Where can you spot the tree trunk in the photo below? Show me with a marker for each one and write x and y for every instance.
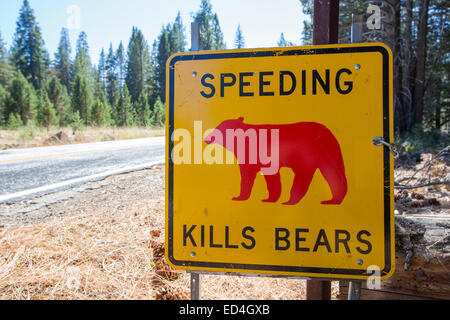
(398, 70)
(422, 259)
(406, 116)
(421, 49)
(437, 106)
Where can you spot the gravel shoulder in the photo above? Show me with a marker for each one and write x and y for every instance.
(111, 194)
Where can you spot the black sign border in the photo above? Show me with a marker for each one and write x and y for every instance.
(320, 272)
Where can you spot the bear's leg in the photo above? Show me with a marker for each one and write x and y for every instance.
(274, 187)
(338, 184)
(300, 187)
(248, 176)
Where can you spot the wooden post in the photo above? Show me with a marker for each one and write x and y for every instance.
(318, 290)
(326, 22)
(326, 31)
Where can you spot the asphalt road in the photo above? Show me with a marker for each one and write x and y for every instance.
(26, 173)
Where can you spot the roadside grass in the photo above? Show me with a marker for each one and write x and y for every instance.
(111, 255)
(31, 136)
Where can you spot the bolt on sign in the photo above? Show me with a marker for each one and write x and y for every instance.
(271, 164)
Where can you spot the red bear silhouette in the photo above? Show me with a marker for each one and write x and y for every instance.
(304, 147)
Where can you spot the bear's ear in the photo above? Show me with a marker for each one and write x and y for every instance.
(241, 119)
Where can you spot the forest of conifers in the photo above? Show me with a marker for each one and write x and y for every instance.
(126, 87)
(418, 33)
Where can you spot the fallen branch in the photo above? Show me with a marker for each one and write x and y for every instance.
(429, 163)
(403, 187)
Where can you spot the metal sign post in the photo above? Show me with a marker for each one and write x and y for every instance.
(195, 36)
(354, 289)
(357, 29)
(195, 46)
(195, 286)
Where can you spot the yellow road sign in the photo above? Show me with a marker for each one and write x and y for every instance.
(271, 164)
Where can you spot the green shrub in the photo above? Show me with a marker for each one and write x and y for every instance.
(14, 122)
(77, 123)
(29, 131)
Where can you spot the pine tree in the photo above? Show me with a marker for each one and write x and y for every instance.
(153, 84)
(46, 115)
(99, 76)
(102, 68)
(100, 112)
(124, 112)
(6, 69)
(40, 60)
(138, 64)
(177, 36)
(62, 59)
(82, 64)
(121, 64)
(421, 53)
(159, 114)
(142, 110)
(58, 96)
(98, 85)
(283, 42)
(3, 52)
(218, 42)
(171, 40)
(109, 121)
(437, 98)
(307, 32)
(239, 42)
(81, 98)
(204, 17)
(22, 100)
(162, 56)
(112, 77)
(14, 122)
(28, 52)
(97, 114)
(4, 99)
(211, 36)
(76, 122)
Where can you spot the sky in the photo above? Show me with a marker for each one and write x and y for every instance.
(111, 21)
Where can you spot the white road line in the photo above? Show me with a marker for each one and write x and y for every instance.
(95, 177)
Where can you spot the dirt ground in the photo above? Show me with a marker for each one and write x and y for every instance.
(105, 240)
